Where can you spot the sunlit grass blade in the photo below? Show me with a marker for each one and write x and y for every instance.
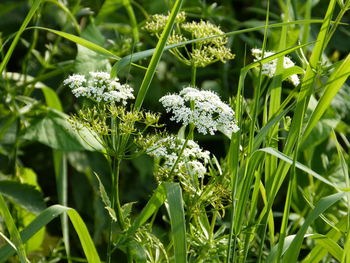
(177, 219)
(318, 252)
(146, 82)
(292, 252)
(300, 166)
(334, 83)
(14, 234)
(80, 41)
(157, 200)
(43, 219)
(26, 21)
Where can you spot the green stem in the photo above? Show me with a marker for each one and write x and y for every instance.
(133, 22)
(182, 150)
(193, 76)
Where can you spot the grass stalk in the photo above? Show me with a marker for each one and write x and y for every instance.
(146, 82)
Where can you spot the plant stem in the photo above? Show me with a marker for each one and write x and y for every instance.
(193, 76)
(190, 133)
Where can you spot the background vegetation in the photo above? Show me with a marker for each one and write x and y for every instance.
(286, 190)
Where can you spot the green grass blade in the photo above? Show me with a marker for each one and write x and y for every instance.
(302, 167)
(61, 176)
(318, 253)
(334, 83)
(157, 200)
(81, 41)
(26, 21)
(292, 252)
(327, 244)
(14, 234)
(157, 55)
(177, 219)
(84, 236)
(43, 219)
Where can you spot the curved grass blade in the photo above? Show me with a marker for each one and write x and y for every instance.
(14, 234)
(156, 56)
(26, 21)
(292, 252)
(157, 200)
(323, 241)
(43, 219)
(177, 219)
(302, 167)
(334, 83)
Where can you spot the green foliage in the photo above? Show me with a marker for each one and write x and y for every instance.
(146, 188)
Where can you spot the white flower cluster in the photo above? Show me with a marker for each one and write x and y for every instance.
(100, 87)
(192, 161)
(269, 68)
(203, 109)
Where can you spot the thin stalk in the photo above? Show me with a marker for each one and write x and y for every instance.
(182, 150)
(284, 226)
(156, 56)
(193, 76)
(133, 22)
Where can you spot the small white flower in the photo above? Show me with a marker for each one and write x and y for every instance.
(269, 68)
(203, 109)
(99, 87)
(192, 161)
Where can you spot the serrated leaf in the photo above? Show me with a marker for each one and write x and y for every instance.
(24, 195)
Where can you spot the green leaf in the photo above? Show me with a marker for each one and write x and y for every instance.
(51, 98)
(25, 195)
(87, 60)
(105, 199)
(177, 219)
(55, 131)
(292, 252)
(43, 219)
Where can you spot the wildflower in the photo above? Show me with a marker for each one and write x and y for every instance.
(192, 160)
(199, 54)
(269, 68)
(203, 109)
(99, 87)
(157, 22)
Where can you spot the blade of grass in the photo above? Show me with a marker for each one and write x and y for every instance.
(318, 252)
(177, 219)
(43, 219)
(26, 21)
(14, 234)
(292, 252)
(60, 166)
(334, 83)
(146, 82)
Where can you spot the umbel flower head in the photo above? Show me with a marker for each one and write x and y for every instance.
(192, 161)
(99, 86)
(269, 68)
(203, 109)
(199, 54)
